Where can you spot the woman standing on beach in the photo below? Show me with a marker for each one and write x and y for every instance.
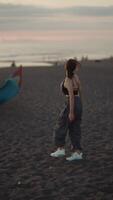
(70, 118)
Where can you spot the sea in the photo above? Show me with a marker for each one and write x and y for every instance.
(30, 53)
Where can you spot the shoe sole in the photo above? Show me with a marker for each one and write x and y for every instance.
(74, 159)
(57, 156)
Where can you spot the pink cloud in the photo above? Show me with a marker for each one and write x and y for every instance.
(68, 35)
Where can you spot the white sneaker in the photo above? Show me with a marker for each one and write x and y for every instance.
(75, 156)
(58, 153)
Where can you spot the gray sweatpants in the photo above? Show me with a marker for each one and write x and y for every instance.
(64, 126)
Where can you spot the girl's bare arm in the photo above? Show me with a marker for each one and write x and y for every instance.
(69, 86)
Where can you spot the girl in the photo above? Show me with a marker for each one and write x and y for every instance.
(70, 118)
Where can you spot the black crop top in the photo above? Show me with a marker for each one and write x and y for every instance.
(65, 91)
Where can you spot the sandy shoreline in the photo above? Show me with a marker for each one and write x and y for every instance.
(27, 172)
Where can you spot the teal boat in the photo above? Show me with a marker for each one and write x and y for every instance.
(11, 86)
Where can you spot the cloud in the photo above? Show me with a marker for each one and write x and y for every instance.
(24, 10)
(27, 18)
(90, 11)
(51, 35)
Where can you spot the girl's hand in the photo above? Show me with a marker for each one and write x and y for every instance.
(71, 117)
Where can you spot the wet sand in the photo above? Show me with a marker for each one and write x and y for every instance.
(27, 172)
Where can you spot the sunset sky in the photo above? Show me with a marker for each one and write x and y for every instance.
(74, 22)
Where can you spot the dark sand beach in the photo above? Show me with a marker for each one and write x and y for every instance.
(27, 172)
